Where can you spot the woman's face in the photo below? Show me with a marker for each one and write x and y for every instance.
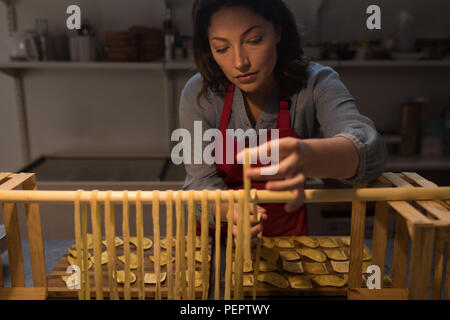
(244, 45)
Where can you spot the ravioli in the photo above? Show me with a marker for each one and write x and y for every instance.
(310, 242)
(198, 256)
(316, 268)
(274, 279)
(289, 255)
(147, 242)
(73, 261)
(328, 243)
(163, 242)
(150, 278)
(267, 266)
(270, 255)
(336, 254)
(346, 241)
(73, 253)
(103, 257)
(121, 277)
(198, 278)
(163, 258)
(133, 260)
(117, 242)
(284, 242)
(330, 280)
(313, 254)
(340, 266)
(248, 266)
(293, 266)
(248, 280)
(268, 242)
(198, 242)
(300, 282)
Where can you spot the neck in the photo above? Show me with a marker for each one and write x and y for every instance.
(259, 98)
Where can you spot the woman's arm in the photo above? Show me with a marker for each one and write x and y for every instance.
(334, 158)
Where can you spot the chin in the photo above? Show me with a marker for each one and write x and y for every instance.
(248, 88)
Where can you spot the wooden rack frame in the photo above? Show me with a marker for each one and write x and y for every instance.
(393, 191)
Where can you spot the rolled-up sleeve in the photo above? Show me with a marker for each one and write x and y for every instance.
(338, 116)
(199, 176)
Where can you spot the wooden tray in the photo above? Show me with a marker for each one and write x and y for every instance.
(57, 288)
(266, 290)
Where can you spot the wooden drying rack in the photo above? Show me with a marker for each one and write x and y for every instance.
(392, 191)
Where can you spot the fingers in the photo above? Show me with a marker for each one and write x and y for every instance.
(288, 167)
(296, 182)
(253, 222)
(295, 204)
(285, 147)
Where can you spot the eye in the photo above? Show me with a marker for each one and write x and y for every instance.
(255, 41)
(221, 50)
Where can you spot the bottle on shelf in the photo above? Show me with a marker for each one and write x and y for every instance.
(169, 36)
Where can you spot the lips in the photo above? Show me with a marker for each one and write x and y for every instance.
(247, 78)
(245, 75)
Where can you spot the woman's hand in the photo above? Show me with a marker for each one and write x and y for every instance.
(256, 226)
(288, 171)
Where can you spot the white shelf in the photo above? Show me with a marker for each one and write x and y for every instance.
(10, 66)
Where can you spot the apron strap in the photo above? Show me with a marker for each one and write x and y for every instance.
(283, 114)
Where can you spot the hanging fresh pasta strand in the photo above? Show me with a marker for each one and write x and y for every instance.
(183, 249)
(191, 244)
(179, 236)
(217, 258)
(239, 255)
(169, 237)
(77, 224)
(140, 244)
(204, 244)
(246, 227)
(96, 228)
(157, 247)
(85, 279)
(229, 248)
(111, 248)
(257, 217)
(126, 244)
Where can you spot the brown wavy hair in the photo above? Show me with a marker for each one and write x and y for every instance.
(291, 69)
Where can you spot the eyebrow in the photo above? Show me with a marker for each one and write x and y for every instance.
(243, 34)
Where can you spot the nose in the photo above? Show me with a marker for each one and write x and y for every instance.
(241, 60)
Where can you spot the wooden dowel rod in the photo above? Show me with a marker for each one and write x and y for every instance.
(204, 244)
(169, 238)
(96, 228)
(140, 246)
(229, 249)
(157, 248)
(77, 224)
(217, 241)
(264, 196)
(179, 238)
(126, 244)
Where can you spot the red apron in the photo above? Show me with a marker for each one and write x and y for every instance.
(279, 222)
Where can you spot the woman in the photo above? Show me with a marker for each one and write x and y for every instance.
(252, 74)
